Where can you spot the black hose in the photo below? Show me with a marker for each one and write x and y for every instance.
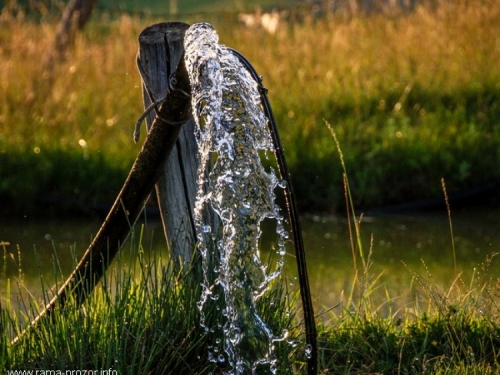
(305, 292)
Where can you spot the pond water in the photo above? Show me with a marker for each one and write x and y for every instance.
(410, 255)
(412, 258)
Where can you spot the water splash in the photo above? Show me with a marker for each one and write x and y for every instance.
(231, 131)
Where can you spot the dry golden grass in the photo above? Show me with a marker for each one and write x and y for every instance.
(351, 58)
(93, 95)
(426, 81)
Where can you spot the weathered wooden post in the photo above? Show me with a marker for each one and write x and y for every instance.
(160, 49)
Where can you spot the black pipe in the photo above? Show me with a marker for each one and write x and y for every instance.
(305, 292)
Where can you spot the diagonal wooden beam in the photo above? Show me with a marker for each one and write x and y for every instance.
(170, 117)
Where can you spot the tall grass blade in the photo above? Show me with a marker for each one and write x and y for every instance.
(448, 210)
(351, 204)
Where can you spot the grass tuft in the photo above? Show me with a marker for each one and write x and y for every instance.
(143, 318)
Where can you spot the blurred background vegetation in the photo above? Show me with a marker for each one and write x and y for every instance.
(412, 93)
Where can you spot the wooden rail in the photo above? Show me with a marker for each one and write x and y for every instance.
(172, 113)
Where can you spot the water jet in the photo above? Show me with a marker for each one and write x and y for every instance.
(233, 125)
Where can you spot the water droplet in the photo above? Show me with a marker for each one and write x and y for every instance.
(211, 357)
(283, 336)
(308, 351)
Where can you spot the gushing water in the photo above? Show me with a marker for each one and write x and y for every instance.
(231, 130)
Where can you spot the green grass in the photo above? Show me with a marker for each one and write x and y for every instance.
(412, 97)
(445, 331)
(56, 184)
(142, 319)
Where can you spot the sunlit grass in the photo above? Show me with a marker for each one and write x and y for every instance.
(87, 97)
(412, 97)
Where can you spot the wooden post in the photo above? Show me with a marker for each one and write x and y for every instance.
(161, 46)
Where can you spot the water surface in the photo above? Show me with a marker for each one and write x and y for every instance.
(408, 253)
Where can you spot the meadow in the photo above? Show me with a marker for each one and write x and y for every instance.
(412, 97)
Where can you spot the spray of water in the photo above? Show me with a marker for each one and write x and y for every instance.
(231, 131)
